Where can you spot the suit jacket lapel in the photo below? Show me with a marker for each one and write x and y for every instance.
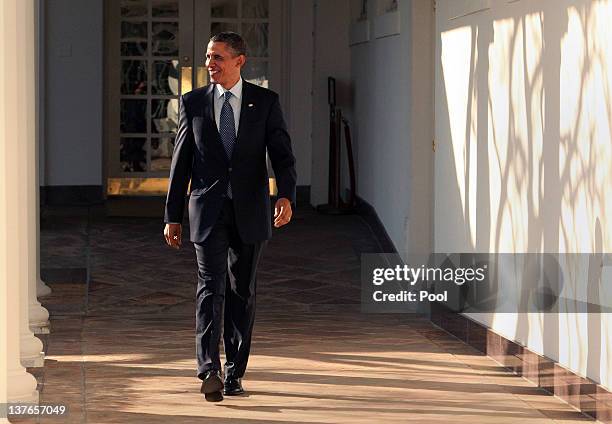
(209, 105)
(245, 101)
(245, 111)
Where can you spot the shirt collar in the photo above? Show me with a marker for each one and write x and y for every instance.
(236, 90)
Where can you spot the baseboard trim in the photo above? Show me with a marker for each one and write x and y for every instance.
(368, 213)
(302, 194)
(582, 393)
(71, 195)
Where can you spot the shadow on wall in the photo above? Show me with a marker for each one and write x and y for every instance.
(524, 128)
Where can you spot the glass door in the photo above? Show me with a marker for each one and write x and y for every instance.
(155, 51)
(256, 21)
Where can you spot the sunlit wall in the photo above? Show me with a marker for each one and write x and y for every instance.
(524, 160)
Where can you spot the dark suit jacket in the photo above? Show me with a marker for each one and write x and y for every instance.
(199, 155)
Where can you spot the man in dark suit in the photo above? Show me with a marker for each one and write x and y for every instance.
(224, 131)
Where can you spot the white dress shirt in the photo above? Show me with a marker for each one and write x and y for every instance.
(235, 102)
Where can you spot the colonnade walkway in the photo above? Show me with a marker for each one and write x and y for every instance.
(121, 347)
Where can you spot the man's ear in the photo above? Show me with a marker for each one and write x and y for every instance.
(241, 60)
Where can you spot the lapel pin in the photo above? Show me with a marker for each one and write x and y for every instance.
(250, 104)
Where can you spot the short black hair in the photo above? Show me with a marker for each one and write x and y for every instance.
(233, 40)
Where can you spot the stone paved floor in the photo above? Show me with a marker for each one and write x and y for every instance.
(121, 348)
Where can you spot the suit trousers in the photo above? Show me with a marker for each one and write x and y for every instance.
(225, 293)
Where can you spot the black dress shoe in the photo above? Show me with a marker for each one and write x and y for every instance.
(212, 385)
(233, 387)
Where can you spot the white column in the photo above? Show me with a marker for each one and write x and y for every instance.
(42, 289)
(18, 385)
(31, 347)
(39, 316)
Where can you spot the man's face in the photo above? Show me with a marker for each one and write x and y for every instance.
(222, 66)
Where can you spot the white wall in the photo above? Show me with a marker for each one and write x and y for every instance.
(331, 58)
(524, 158)
(300, 85)
(73, 92)
(381, 71)
(419, 231)
(392, 83)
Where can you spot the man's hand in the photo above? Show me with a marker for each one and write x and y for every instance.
(282, 212)
(172, 233)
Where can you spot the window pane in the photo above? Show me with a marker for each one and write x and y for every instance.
(224, 9)
(164, 116)
(133, 154)
(133, 49)
(134, 77)
(134, 8)
(165, 77)
(133, 116)
(217, 27)
(161, 153)
(165, 39)
(133, 30)
(255, 8)
(256, 38)
(165, 9)
(256, 71)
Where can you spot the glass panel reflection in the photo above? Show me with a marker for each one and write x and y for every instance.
(134, 77)
(165, 39)
(217, 27)
(134, 8)
(165, 9)
(134, 30)
(134, 186)
(256, 72)
(186, 79)
(133, 49)
(164, 116)
(165, 77)
(255, 8)
(133, 116)
(224, 9)
(256, 38)
(201, 77)
(133, 154)
(161, 153)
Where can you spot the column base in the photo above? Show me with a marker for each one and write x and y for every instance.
(36, 361)
(39, 318)
(40, 328)
(42, 289)
(31, 398)
(22, 387)
(37, 312)
(31, 351)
